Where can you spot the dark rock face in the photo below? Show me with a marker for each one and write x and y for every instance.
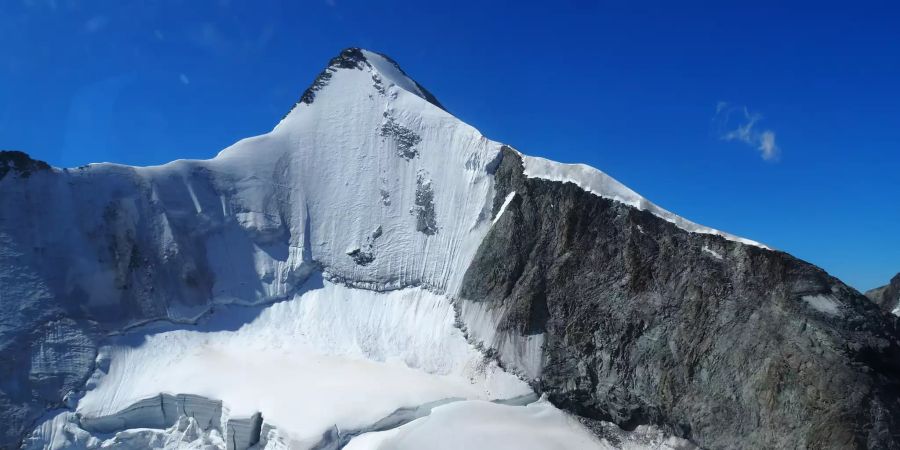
(423, 208)
(366, 255)
(20, 162)
(405, 138)
(728, 345)
(361, 257)
(887, 297)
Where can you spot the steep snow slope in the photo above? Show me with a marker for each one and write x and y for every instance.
(367, 181)
(370, 184)
(415, 178)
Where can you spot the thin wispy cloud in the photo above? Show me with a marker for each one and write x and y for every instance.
(738, 123)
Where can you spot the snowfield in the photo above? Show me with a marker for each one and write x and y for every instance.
(332, 357)
(333, 366)
(480, 424)
(299, 290)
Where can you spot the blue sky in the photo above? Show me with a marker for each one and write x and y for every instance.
(779, 123)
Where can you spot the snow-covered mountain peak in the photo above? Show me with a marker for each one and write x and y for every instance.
(384, 73)
(357, 75)
(368, 177)
(368, 263)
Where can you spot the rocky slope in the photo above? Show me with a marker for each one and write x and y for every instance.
(727, 344)
(887, 297)
(374, 273)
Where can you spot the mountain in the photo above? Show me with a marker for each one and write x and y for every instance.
(887, 297)
(375, 273)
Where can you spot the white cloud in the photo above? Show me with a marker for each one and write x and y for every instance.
(767, 145)
(739, 124)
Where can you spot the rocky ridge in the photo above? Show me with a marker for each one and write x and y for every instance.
(887, 297)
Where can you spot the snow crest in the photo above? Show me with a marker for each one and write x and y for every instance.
(603, 185)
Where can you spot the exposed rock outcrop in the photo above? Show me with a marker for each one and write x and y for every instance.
(727, 344)
(887, 297)
(20, 162)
